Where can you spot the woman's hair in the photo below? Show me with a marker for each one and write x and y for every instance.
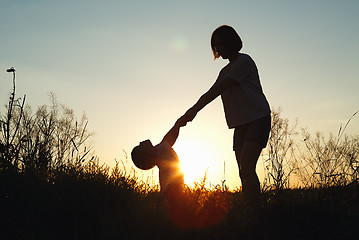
(228, 36)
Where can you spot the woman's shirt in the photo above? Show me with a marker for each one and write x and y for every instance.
(244, 101)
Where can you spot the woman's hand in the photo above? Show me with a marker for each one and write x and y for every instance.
(190, 115)
(180, 122)
(187, 117)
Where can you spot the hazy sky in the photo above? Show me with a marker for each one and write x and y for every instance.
(134, 67)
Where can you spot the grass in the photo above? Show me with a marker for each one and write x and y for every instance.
(50, 190)
(99, 205)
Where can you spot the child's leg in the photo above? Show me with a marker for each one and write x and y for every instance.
(176, 206)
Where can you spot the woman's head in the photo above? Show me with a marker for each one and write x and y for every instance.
(225, 40)
(144, 155)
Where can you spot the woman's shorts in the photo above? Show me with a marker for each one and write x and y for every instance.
(255, 131)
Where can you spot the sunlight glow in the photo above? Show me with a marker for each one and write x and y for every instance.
(196, 158)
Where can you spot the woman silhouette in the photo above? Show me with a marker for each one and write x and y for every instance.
(245, 105)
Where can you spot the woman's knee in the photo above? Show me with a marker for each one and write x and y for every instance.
(247, 172)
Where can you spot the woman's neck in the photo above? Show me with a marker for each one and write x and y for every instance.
(233, 57)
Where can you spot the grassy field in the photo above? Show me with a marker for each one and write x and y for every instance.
(52, 187)
(97, 205)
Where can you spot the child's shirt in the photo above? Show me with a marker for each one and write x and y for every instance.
(170, 173)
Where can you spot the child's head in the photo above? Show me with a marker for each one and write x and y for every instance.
(225, 37)
(144, 155)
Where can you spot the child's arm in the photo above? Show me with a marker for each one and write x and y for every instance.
(172, 134)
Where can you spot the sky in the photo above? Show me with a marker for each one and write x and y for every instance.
(134, 67)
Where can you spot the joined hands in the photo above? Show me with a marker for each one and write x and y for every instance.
(187, 117)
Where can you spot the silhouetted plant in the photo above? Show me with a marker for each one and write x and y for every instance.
(36, 143)
(278, 153)
(331, 161)
(10, 138)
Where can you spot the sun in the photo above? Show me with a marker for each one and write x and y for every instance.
(196, 158)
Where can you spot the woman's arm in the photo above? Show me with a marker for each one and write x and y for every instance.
(217, 89)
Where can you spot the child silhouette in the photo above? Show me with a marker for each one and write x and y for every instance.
(145, 156)
(182, 213)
